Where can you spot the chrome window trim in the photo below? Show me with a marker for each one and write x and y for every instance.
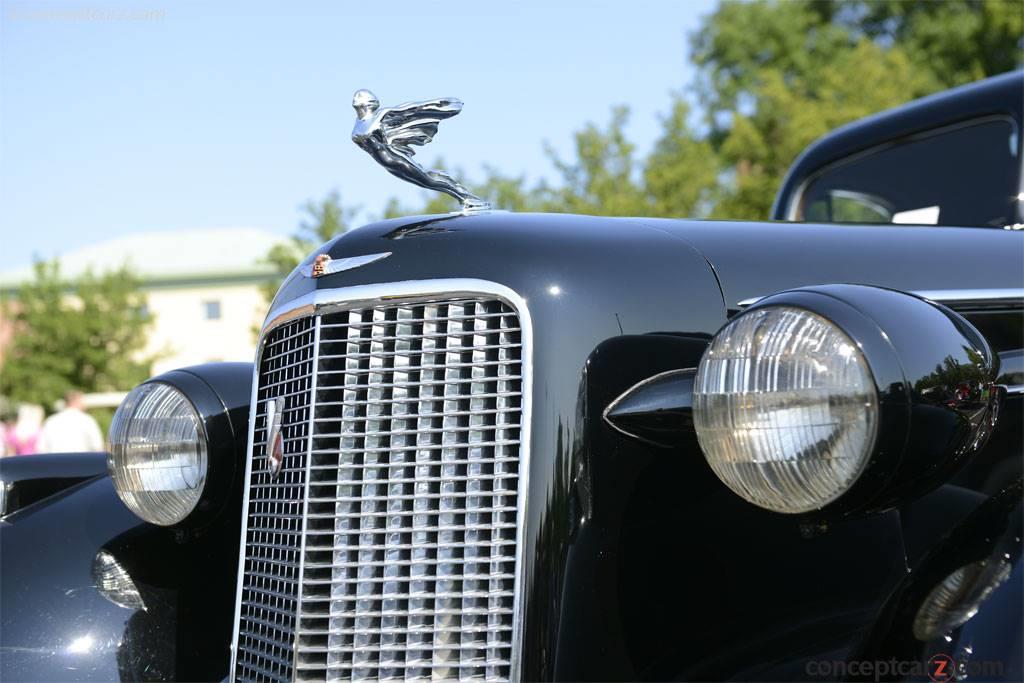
(943, 296)
(325, 301)
(971, 294)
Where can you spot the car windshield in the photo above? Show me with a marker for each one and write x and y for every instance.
(965, 175)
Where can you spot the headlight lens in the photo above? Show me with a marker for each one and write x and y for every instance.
(158, 456)
(785, 409)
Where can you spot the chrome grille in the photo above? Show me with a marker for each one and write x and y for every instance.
(408, 546)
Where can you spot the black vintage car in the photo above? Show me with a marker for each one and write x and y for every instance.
(500, 446)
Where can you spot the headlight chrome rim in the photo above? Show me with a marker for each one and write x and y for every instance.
(753, 469)
(130, 442)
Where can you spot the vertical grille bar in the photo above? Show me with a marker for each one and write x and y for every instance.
(403, 478)
(310, 431)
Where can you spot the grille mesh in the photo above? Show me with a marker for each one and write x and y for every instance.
(409, 542)
(270, 580)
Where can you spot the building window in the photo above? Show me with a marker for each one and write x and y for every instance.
(211, 310)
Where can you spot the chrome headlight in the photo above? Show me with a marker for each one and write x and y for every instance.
(158, 453)
(785, 409)
(846, 396)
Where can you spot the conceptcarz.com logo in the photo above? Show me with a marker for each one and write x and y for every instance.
(941, 668)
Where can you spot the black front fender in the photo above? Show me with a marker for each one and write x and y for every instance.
(56, 624)
(90, 592)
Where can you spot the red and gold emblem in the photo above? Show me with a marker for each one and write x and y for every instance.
(320, 265)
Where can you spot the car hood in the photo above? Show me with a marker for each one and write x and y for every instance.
(756, 259)
(749, 259)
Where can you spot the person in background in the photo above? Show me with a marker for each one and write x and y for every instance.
(6, 426)
(24, 437)
(72, 430)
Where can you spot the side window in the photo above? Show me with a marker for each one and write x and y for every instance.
(965, 175)
(211, 310)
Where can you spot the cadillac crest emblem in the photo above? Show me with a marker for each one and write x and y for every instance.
(388, 133)
(323, 264)
(320, 265)
(274, 444)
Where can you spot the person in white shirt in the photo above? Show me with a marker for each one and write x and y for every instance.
(72, 430)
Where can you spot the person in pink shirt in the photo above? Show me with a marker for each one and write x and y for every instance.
(24, 437)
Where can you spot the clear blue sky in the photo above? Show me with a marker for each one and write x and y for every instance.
(118, 118)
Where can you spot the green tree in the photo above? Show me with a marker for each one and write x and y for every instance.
(681, 173)
(772, 77)
(88, 334)
(603, 177)
(501, 192)
(325, 219)
(507, 192)
(956, 41)
(759, 147)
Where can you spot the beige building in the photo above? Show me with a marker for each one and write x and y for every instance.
(203, 288)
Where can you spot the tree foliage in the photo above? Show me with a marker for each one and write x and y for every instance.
(324, 220)
(956, 41)
(772, 77)
(602, 177)
(775, 76)
(681, 173)
(88, 335)
(790, 114)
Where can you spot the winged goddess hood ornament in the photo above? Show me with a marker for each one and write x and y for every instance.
(388, 133)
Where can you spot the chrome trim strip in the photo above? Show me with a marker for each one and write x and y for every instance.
(941, 295)
(379, 293)
(954, 295)
(750, 302)
(245, 506)
(1014, 388)
(325, 300)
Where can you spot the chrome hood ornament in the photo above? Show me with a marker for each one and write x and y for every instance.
(387, 134)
